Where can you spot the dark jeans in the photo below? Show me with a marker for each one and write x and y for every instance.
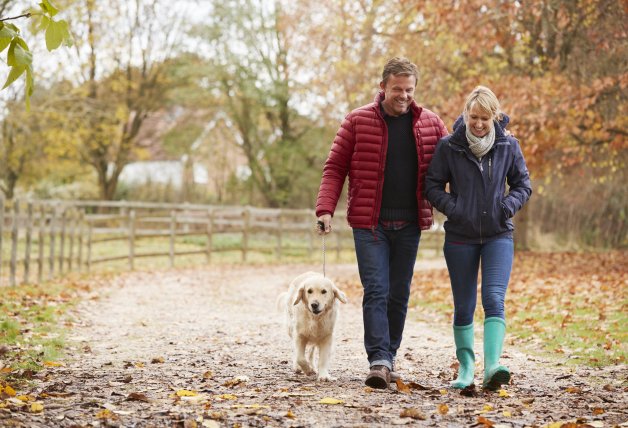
(386, 260)
(463, 262)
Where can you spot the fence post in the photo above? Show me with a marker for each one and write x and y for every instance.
(1, 233)
(27, 250)
(89, 248)
(81, 220)
(131, 238)
(245, 232)
(210, 231)
(71, 235)
(51, 255)
(173, 226)
(14, 236)
(279, 234)
(40, 243)
(62, 239)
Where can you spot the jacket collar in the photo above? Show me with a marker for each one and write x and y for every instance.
(416, 109)
(459, 136)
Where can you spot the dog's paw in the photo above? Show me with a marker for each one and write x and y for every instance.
(309, 372)
(325, 377)
(305, 368)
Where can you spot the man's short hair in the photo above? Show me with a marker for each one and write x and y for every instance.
(399, 66)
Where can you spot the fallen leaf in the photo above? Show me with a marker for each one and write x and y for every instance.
(503, 393)
(137, 396)
(574, 390)
(216, 415)
(236, 381)
(250, 406)
(106, 414)
(443, 392)
(330, 400)
(487, 408)
(186, 393)
(226, 397)
(290, 415)
(413, 413)
(14, 401)
(507, 414)
(9, 391)
(486, 422)
(598, 411)
(52, 364)
(36, 407)
(418, 387)
(208, 374)
(139, 365)
(157, 360)
(402, 387)
(443, 409)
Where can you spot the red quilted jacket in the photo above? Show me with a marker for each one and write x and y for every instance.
(359, 151)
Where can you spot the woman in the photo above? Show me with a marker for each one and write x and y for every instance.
(477, 160)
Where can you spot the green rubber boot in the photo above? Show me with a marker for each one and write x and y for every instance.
(495, 375)
(463, 336)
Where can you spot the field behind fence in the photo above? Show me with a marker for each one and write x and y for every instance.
(43, 239)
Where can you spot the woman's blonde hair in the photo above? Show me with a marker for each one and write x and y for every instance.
(486, 100)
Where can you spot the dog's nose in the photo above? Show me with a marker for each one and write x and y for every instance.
(314, 305)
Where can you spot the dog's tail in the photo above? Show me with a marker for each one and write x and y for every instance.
(282, 301)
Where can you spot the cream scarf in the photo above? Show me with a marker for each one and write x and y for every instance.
(481, 146)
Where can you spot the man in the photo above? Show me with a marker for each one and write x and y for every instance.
(385, 148)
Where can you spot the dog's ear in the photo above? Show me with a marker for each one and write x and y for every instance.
(339, 294)
(300, 294)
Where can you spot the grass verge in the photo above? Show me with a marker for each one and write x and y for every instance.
(32, 325)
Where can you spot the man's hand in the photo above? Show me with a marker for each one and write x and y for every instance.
(324, 224)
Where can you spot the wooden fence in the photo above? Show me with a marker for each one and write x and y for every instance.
(43, 239)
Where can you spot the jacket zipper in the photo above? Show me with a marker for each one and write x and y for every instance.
(378, 193)
(489, 168)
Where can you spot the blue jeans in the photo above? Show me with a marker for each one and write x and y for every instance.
(386, 260)
(463, 262)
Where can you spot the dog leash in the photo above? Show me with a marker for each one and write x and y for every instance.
(321, 226)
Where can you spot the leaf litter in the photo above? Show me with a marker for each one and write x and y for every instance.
(212, 351)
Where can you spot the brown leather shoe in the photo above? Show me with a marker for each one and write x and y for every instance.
(379, 377)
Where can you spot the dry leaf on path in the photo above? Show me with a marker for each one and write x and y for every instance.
(486, 422)
(402, 387)
(330, 400)
(36, 407)
(413, 413)
(137, 396)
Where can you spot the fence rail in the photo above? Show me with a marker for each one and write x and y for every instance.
(46, 238)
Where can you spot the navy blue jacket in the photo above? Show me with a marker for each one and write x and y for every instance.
(477, 206)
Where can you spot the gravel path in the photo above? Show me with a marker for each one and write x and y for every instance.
(207, 348)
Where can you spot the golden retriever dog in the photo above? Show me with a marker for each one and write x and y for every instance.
(311, 310)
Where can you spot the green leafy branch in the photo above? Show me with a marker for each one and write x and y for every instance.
(19, 56)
